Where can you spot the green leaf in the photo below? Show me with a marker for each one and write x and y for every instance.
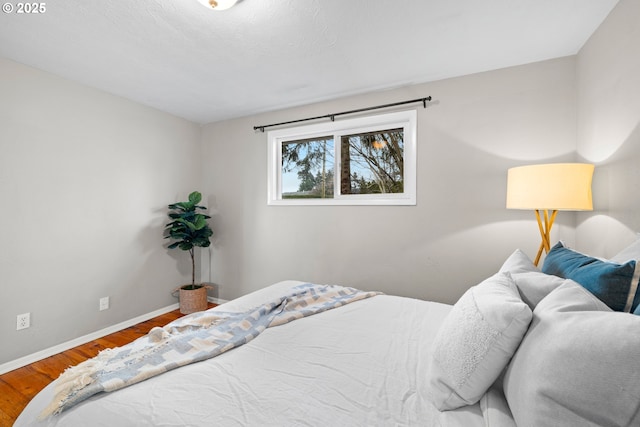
(179, 236)
(201, 242)
(185, 246)
(200, 222)
(185, 223)
(175, 215)
(180, 206)
(195, 198)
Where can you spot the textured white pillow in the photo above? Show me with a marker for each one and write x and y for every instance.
(476, 341)
(578, 365)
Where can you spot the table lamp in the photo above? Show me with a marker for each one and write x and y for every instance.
(550, 188)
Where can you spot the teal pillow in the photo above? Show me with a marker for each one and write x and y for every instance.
(637, 310)
(614, 284)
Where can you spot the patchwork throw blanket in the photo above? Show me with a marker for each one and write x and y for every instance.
(192, 338)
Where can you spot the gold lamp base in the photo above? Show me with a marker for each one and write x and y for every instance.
(545, 230)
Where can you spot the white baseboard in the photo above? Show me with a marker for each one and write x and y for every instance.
(47, 352)
(217, 300)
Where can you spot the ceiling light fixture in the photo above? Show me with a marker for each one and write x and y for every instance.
(218, 4)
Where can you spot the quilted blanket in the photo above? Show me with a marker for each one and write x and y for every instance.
(190, 339)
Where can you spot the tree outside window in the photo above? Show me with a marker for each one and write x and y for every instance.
(364, 161)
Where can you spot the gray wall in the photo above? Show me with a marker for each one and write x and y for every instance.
(85, 178)
(459, 233)
(608, 71)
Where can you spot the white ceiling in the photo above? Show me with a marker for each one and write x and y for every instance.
(264, 55)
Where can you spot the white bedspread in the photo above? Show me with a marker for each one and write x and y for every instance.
(363, 364)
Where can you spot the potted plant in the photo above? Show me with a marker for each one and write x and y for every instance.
(189, 229)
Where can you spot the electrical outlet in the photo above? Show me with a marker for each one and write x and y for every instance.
(104, 303)
(23, 321)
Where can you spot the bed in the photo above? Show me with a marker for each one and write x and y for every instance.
(521, 348)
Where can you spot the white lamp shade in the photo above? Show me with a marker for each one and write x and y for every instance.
(556, 186)
(218, 4)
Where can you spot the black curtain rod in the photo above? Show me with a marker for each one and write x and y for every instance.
(334, 115)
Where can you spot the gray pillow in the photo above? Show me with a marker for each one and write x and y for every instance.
(532, 284)
(578, 365)
(631, 252)
(535, 285)
(476, 341)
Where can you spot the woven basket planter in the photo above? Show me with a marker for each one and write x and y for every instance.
(192, 300)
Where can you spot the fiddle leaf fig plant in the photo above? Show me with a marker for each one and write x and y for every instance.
(189, 229)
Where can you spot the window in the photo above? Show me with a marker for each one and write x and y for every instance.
(362, 161)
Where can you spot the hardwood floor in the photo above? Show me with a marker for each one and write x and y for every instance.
(19, 386)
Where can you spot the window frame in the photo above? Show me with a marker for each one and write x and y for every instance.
(402, 119)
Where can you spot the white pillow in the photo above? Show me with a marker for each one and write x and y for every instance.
(578, 365)
(476, 342)
(518, 262)
(495, 409)
(631, 252)
(532, 284)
